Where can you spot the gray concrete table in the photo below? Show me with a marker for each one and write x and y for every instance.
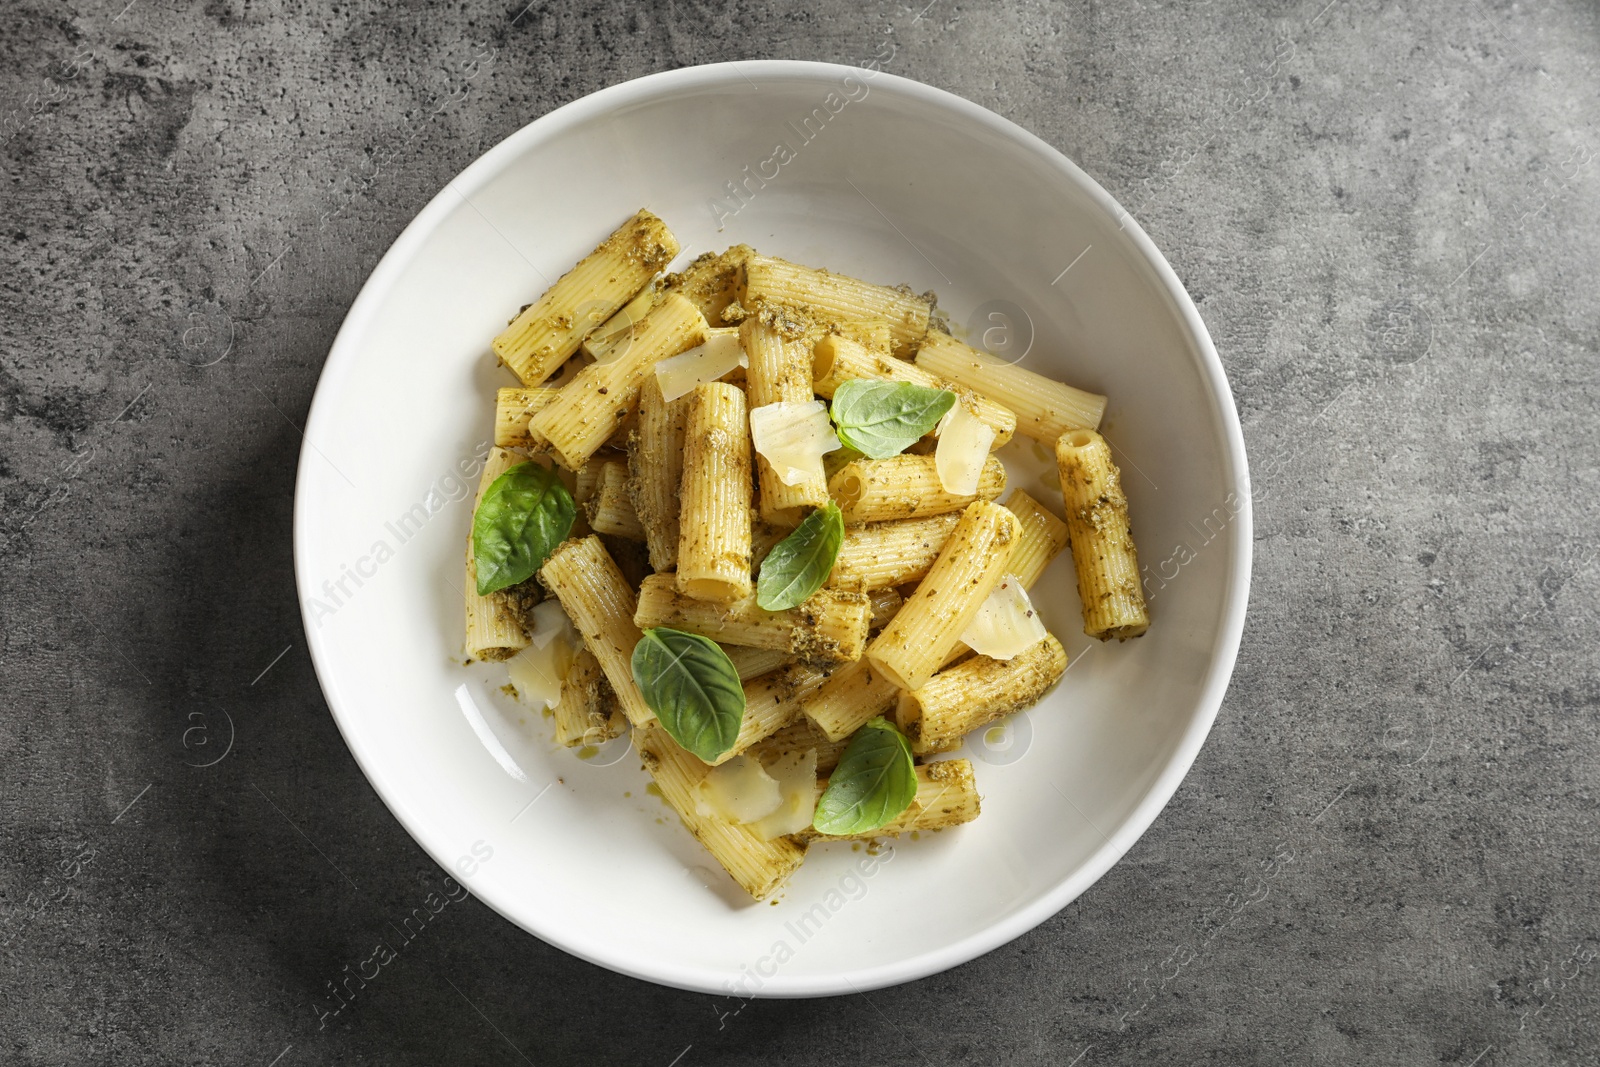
(1387, 850)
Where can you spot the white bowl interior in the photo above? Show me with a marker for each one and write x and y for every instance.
(903, 183)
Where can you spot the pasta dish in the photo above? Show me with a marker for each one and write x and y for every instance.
(751, 512)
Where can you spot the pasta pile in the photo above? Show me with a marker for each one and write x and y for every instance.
(764, 498)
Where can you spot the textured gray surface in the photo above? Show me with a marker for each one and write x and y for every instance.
(1385, 854)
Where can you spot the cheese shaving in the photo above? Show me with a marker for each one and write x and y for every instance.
(678, 375)
(739, 790)
(796, 775)
(793, 436)
(964, 443)
(538, 670)
(1006, 625)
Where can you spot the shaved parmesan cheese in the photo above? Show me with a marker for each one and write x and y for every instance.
(739, 790)
(721, 353)
(964, 441)
(793, 436)
(1006, 625)
(550, 622)
(796, 775)
(538, 670)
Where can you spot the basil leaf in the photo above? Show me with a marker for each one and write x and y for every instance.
(693, 687)
(874, 782)
(799, 564)
(882, 419)
(525, 514)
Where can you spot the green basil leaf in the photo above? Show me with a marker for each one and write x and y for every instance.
(882, 419)
(874, 782)
(693, 687)
(525, 514)
(799, 564)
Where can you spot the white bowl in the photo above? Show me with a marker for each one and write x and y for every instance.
(889, 180)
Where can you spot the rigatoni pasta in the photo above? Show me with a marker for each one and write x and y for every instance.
(600, 604)
(972, 694)
(1103, 552)
(618, 329)
(1045, 409)
(610, 508)
(714, 520)
(772, 702)
(548, 331)
(758, 866)
(849, 699)
(495, 622)
(878, 555)
(600, 398)
(787, 651)
(830, 627)
(655, 468)
(587, 713)
(874, 334)
(780, 373)
(1040, 537)
(821, 297)
(913, 646)
(513, 408)
(712, 281)
(754, 662)
(797, 738)
(905, 487)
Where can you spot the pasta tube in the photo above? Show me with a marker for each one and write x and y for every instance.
(1103, 553)
(821, 297)
(600, 604)
(973, 694)
(513, 408)
(874, 334)
(586, 480)
(852, 697)
(758, 866)
(546, 332)
(497, 623)
(915, 643)
(780, 372)
(904, 487)
(837, 359)
(1040, 537)
(1045, 408)
(877, 555)
(595, 403)
(831, 627)
(772, 702)
(754, 662)
(618, 329)
(655, 468)
(714, 528)
(587, 713)
(712, 282)
(610, 508)
(947, 795)
(625, 429)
